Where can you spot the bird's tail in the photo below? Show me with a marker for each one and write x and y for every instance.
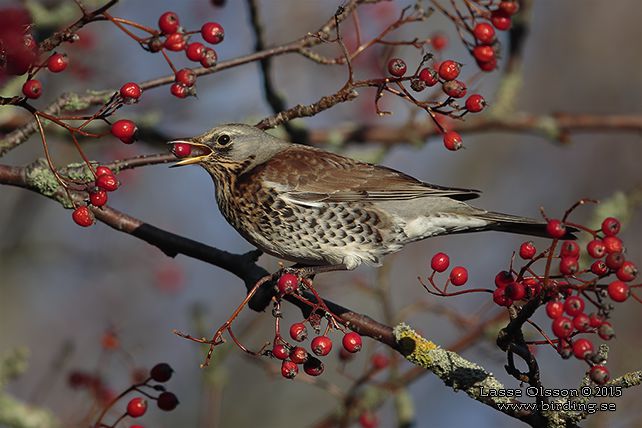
(521, 225)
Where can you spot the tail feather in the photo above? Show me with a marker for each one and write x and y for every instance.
(522, 225)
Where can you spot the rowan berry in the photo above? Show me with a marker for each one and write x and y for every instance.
(103, 170)
(570, 249)
(130, 91)
(298, 355)
(351, 342)
(136, 407)
(429, 76)
(458, 275)
(582, 348)
(487, 66)
(168, 23)
(554, 309)
(595, 320)
(484, 32)
(509, 7)
(606, 331)
(179, 90)
(454, 88)
(449, 70)
(287, 283)
(195, 51)
(167, 401)
(599, 268)
(397, 67)
(503, 278)
(500, 298)
(289, 369)
(98, 197)
(57, 62)
(618, 291)
(175, 42)
(627, 272)
(614, 261)
(125, 130)
(313, 367)
(453, 141)
(438, 41)
(161, 372)
(569, 266)
(321, 345)
(599, 374)
(484, 53)
(500, 20)
(613, 244)
(32, 89)
(82, 216)
(298, 332)
(107, 182)
(596, 248)
(611, 226)
(555, 229)
(212, 32)
(574, 305)
(440, 262)
(186, 76)
(527, 250)
(582, 322)
(562, 327)
(209, 58)
(475, 103)
(280, 351)
(181, 150)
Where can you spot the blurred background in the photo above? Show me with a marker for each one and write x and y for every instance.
(67, 293)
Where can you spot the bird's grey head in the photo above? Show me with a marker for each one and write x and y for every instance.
(233, 146)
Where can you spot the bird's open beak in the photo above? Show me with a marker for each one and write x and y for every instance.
(189, 152)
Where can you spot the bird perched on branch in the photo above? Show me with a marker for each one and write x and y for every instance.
(327, 211)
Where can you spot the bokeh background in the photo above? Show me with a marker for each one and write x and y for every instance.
(62, 287)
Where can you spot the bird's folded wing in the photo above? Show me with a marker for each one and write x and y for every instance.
(308, 176)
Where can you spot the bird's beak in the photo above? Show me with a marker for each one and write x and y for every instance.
(196, 152)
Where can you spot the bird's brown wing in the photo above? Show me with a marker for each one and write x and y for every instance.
(309, 175)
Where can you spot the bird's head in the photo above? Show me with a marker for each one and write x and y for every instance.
(228, 147)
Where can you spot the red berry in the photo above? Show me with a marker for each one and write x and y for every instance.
(582, 348)
(614, 261)
(599, 374)
(57, 62)
(107, 182)
(453, 141)
(130, 91)
(599, 268)
(352, 342)
(500, 20)
(574, 305)
(555, 229)
(181, 150)
(368, 419)
(287, 283)
(438, 41)
(440, 262)
(98, 197)
(484, 53)
(289, 369)
(606, 331)
(280, 351)
(136, 407)
(570, 249)
(167, 401)
(32, 89)
(475, 103)
(582, 322)
(454, 88)
(503, 278)
(209, 58)
(83, 216)
(161, 372)
(533, 286)
(611, 226)
(595, 320)
(379, 361)
(554, 309)
(449, 70)
(487, 66)
(168, 23)
(298, 332)
(321, 345)
(515, 291)
(627, 272)
(299, 355)
(212, 33)
(429, 76)
(186, 77)
(397, 67)
(500, 298)
(527, 250)
(509, 7)
(613, 244)
(103, 170)
(195, 51)
(484, 32)
(618, 291)
(562, 327)
(596, 249)
(175, 42)
(459, 275)
(179, 90)
(313, 367)
(568, 266)
(124, 130)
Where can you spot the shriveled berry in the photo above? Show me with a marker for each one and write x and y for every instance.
(611, 226)
(313, 367)
(503, 278)
(484, 32)
(98, 197)
(570, 249)
(417, 84)
(287, 283)
(458, 275)
(599, 374)
(596, 248)
(397, 67)
(500, 20)
(606, 331)
(181, 150)
(555, 229)
(124, 130)
(167, 401)
(321, 345)
(136, 407)
(280, 351)
(57, 62)
(429, 76)
(130, 91)
(515, 291)
(582, 322)
(484, 53)
(107, 182)
(289, 369)
(449, 70)
(298, 355)
(475, 103)
(161, 372)
(454, 88)
(82, 216)
(562, 327)
(438, 41)
(582, 348)
(209, 58)
(179, 90)
(613, 244)
(32, 89)
(195, 51)
(564, 349)
(175, 42)
(212, 32)
(527, 250)
(618, 291)
(351, 342)
(599, 268)
(440, 262)
(453, 141)
(614, 261)
(574, 305)
(168, 23)
(379, 361)
(298, 332)
(627, 272)
(500, 298)
(186, 76)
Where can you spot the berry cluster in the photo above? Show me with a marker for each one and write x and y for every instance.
(106, 181)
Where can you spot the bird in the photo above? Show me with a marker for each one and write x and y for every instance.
(325, 211)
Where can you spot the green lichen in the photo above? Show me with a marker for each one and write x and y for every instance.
(42, 180)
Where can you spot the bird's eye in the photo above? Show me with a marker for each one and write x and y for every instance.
(223, 139)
